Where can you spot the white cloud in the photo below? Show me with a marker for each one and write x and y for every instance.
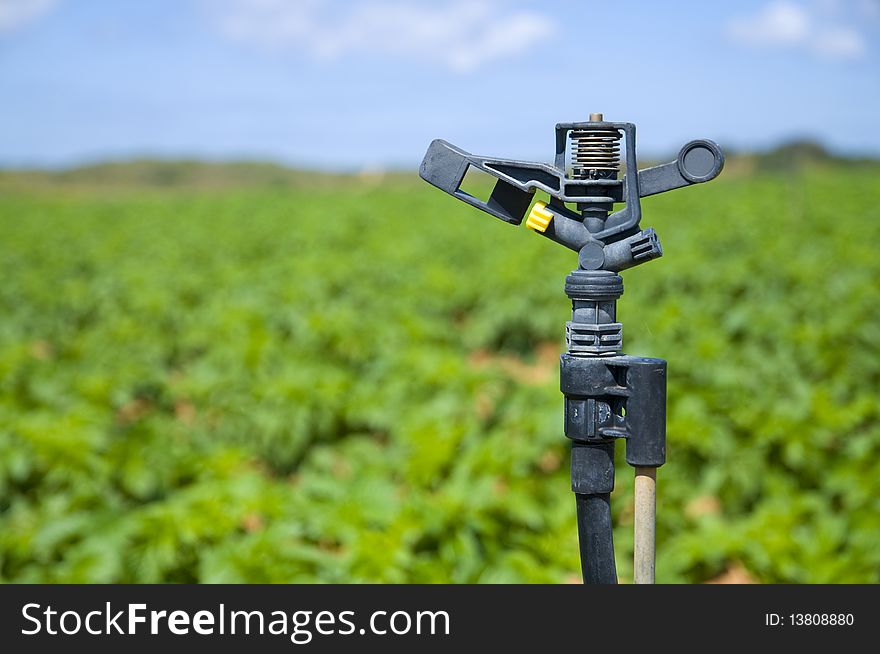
(459, 34)
(18, 13)
(786, 24)
(841, 42)
(779, 23)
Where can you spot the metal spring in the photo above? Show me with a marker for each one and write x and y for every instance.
(595, 152)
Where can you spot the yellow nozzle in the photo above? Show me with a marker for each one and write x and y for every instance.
(540, 217)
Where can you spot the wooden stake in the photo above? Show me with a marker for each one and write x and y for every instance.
(644, 525)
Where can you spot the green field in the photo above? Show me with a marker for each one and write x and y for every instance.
(277, 381)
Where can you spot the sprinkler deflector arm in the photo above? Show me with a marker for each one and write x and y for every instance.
(608, 395)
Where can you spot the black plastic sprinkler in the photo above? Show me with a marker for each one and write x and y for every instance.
(608, 395)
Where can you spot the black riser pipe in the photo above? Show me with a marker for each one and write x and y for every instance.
(596, 538)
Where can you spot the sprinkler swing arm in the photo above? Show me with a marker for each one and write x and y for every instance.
(445, 166)
(608, 395)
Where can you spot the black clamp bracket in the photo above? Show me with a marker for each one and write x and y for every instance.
(608, 398)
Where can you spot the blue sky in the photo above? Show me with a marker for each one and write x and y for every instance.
(358, 84)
